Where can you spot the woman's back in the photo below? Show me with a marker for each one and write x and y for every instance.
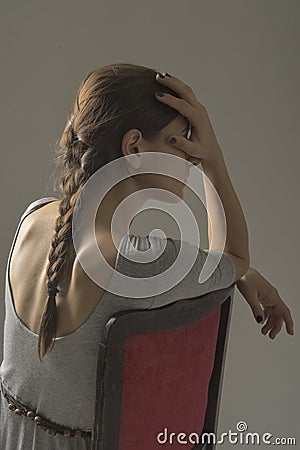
(28, 279)
(62, 386)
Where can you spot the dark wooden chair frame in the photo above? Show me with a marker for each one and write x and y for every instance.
(105, 434)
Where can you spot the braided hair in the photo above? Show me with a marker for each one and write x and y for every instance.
(110, 101)
(61, 252)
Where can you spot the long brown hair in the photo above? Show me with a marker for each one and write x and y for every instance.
(110, 101)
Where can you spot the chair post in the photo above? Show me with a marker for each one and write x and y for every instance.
(216, 381)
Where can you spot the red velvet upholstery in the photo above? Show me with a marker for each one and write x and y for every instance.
(159, 389)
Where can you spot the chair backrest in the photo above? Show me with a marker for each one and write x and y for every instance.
(160, 373)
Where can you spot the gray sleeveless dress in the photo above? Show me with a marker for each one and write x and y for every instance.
(62, 386)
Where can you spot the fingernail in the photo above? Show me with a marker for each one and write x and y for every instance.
(259, 319)
(159, 93)
(167, 74)
(161, 75)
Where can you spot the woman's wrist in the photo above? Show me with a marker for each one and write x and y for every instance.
(244, 277)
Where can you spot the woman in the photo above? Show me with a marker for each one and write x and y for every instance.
(50, 297)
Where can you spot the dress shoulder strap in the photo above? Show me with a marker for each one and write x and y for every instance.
(30, 208)
(36, 204)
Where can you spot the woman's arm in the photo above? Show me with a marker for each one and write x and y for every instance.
(237, 241)
(204, 145)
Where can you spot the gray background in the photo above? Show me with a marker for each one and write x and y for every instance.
(241, 58)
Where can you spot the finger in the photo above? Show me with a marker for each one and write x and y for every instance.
(177, 85)
(252, 299)
(286, 314)
(185, 145)
(184, 107)
(257, 311)
(289, 324)
(268, 326)
(276, 329)
(267, 312)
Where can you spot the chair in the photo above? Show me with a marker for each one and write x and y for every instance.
(160, 371)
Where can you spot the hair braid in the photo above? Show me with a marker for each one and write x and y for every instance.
(62, 245)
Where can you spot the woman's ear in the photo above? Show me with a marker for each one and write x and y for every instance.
(130, 142)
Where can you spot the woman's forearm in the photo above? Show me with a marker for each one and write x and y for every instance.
(237, 241)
